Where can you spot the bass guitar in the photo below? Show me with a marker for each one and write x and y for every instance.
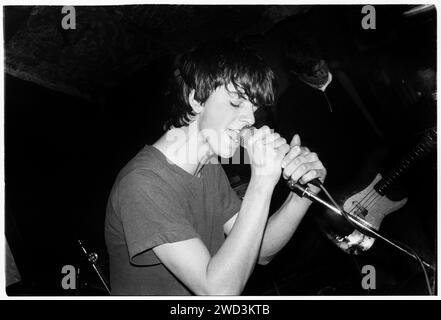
(372, 204)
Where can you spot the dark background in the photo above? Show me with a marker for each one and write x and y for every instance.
(80, 103)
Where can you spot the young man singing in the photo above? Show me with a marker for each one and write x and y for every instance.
(174, 226)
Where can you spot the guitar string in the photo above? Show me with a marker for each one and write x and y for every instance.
(372, 198)
(373, 201)
(368, 203)
(369, 194)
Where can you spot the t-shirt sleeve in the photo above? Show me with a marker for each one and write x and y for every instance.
(151, 214)
(230, 199)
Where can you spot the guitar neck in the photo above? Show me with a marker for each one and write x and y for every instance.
(420, 150)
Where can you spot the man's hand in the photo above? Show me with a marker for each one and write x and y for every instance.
(301, 165)
(266, 150)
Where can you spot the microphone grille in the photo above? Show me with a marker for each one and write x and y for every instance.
(245, 135)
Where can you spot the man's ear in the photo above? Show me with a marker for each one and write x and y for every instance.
(196, 105)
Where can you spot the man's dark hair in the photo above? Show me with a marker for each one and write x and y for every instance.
(301, 54)
(215, 64)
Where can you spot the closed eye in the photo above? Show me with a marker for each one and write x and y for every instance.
(237, 105)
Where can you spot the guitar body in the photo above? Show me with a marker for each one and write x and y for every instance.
(370, 206)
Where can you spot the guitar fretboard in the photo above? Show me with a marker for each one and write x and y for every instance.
(420, 150)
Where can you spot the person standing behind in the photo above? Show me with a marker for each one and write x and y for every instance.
(323, 106)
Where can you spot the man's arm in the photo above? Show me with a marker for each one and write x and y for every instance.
(280, 227)
(299, 165)
(229, 269)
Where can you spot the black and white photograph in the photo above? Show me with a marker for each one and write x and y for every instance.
(213, 149)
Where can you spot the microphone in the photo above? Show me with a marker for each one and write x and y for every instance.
(246, 133)
(303, 191)
(357, 222)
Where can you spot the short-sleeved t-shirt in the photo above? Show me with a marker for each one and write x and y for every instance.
(154, 202)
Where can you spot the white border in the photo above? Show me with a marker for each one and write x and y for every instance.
(257, 298)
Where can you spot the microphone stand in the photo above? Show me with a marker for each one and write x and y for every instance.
(92, 258)
(355, 221)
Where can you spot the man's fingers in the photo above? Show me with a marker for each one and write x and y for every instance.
(283, 149)
(275, 141)
(271, 138)
(313, 174)
(260, 134)
(301, 165)
(294, 153)
(295, 141)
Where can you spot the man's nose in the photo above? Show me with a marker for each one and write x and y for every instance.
(248, 114)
